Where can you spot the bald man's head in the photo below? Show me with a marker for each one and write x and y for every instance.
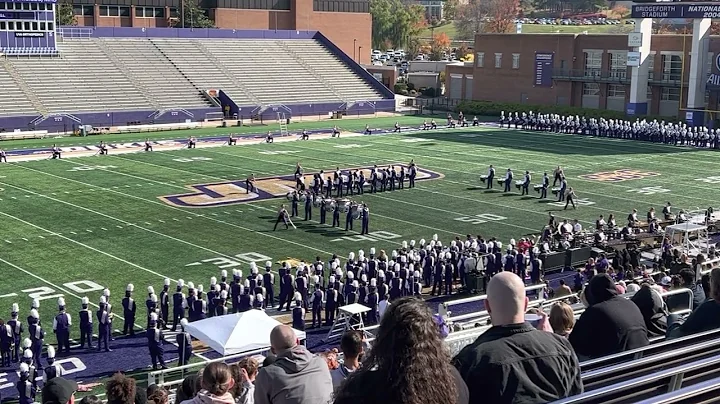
(282, 338)
(506, 299)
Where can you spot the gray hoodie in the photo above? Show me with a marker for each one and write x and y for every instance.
(296, 377)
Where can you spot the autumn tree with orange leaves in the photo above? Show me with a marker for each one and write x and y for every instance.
(486, 16)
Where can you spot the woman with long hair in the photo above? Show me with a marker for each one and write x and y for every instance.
(407, 364)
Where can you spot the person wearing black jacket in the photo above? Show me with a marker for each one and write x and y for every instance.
(653, 310)
(679, 302)
(610, 324)
(704, 318)
(513, 362)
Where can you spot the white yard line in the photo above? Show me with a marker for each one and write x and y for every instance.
(279, 239)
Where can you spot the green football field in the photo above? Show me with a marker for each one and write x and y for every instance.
(74, 226)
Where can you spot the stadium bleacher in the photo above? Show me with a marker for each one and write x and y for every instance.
(150, 70)
(127, 74)
(82, 79)
(13, 101)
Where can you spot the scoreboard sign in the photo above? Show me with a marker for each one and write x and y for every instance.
(675, 10)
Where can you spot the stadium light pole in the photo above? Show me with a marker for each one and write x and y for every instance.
(354, 47)
(359, 53)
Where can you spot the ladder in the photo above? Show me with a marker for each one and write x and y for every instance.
(282, 121)
(349, 318)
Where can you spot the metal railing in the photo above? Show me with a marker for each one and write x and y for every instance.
(445, 312)
(704, 392)
(159, 376)
(649, 385)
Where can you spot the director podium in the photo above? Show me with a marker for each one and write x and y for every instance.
(349, 318)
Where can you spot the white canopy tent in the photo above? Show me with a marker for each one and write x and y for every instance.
(236, 333)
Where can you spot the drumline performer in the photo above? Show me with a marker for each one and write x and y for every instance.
(284, 218)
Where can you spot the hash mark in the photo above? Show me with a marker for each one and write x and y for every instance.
(41, 236)
(119, 227)
(102, 228)
(175, 219)
(67, 192)
(89, 231)
(25, 239)
(8, 241)
(13, 197)
(161, 221)
(27, 196)
(148, 223)
(72, 232)
(189, 217)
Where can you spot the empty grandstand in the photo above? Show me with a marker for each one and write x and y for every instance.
(153, 74)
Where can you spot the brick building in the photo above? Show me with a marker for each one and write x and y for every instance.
(347, 23)
(587, 71)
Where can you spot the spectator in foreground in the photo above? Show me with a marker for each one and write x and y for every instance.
(59, 391)
(120, 389)
(653, 310)
(562, 319)
(706, 317)
(679, 302)
(610, 324)
(93, 399)
(296, 377)
(408, 362)
(513, 362)
(187, 389)
(158, 396)
(217, 382)
(352, 347)
(244, 373)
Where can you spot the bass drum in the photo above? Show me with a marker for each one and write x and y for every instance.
(343, 205)
(331, 206)
(318, 202)
(356, 212)
(289, 196)
(302, 197)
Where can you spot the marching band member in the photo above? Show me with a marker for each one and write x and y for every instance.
(508, 180)
(152, 307)
(331, 300)
(412, 173)
(232, 141)
(316, 301)
(269, 138)
(335, 131)
(191, 142)
(156, 340)
(86, 324)
(164, 302)
(632, 219)
(37, 337)
(3, 156)
(6, 344)
(651, 215)
(184, 343)
(365, 219)
(200, 305)
(190, 301)
(563, 189)
(570, 198)
(368, 131)
(298, 313)
(558, 172)
(25, 387)
(397, 127)
(349, 219)
(667, 213)
(102, 149)
(490, 177)
(284, 218)
(308, 206)
(129, 309)
(148, 145)
(269, 283)
(250, 184)
(600, 224)
(305, 135)
(401, 178)
(179, 304)
(526, 184)
(324, 203)
(17, 329)
(545, 185)
(61, 327)
(52, 370)
(476, 122)
(294, 205)
(104, 325)
(32, 364)
(56, 152)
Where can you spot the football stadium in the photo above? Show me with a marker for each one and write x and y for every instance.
(250, 215)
